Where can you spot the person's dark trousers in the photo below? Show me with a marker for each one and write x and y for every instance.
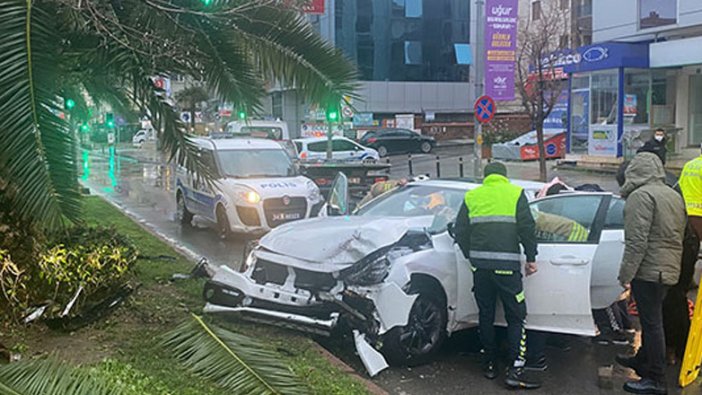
(650, 359)
(536, 345)
(488, 286)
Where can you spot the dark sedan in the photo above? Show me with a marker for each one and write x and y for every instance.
(395, 141)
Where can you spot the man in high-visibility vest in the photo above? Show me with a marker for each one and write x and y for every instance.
(491, 224)
(691, 188)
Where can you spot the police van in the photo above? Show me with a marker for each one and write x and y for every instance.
(257, 187)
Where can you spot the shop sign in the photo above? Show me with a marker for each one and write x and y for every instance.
(602, 140)
(609, 56)
(363, 119)
(500, 48)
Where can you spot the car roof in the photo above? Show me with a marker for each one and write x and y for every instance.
(257, 122)
(465, 183)
(316, 139)
(238, 143)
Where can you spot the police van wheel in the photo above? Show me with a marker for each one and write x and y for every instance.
(184, 216)
(418, 342)
(224, 230)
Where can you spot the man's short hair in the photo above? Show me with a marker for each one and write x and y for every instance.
(660, 130)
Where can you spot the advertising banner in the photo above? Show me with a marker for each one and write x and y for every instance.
(315, 7)
(602, 140)
(500, 48)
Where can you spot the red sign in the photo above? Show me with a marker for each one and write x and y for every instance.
(555, 148)
(314, 7)
(485, 109)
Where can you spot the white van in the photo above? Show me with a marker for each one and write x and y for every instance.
(257, 187)
(272, 130)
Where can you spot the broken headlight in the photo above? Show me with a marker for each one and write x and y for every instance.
(374, 268)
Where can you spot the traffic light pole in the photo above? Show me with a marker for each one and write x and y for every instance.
(479, 85)
(329, 140)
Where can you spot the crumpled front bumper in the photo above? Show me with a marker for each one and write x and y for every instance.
(231, 292)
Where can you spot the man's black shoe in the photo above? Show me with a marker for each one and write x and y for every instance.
(517, 379)
(490, 370)
(646, 386)
(538, 364)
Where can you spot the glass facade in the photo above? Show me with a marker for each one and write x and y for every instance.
(405, 40)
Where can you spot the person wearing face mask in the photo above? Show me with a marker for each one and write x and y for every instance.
(656, 145)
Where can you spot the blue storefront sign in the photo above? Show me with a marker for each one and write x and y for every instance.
(609, 56)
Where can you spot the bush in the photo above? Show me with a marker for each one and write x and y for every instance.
(97, 259)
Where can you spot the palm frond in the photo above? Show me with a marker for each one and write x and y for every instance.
(233, 361)
(41, 377)
(36, 154)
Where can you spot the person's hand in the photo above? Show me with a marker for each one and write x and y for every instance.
(530, 268)
(627, 286)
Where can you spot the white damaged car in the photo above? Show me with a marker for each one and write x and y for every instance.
(393, 271)
(257, 187)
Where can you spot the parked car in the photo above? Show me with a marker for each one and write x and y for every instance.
(394, 273)
(343, 149)
(142, 136)
(257, 187)
(397, 141)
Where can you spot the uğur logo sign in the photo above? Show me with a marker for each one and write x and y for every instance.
(500, 48)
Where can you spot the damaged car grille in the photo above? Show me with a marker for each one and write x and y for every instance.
(270, 272)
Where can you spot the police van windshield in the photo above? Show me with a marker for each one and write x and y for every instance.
(261, 132)
(256, 163)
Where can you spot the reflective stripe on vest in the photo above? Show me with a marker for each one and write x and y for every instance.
(691, 186)
(495, 256)
(578, 233)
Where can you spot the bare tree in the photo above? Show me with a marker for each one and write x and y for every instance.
(540, 84)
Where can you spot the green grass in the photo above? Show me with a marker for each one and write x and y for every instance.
(159, 305)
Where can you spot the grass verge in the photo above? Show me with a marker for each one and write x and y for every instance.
(125, 347)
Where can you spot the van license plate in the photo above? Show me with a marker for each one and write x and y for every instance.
(286, 216)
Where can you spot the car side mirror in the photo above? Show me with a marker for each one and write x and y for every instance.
(451, 228)
(334, 211)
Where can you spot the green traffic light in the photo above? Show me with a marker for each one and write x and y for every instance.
(332, 116)
(206, 2)
(85, 128)
(242, 115)
(69, 103)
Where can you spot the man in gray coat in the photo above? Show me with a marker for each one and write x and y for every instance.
(654, 226)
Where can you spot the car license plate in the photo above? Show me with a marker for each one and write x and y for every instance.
(286, 216)
(355, 180)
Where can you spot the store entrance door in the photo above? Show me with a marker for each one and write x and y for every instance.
(695, 117)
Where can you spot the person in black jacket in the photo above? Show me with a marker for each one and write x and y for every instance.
(656, 145)
(494, 219)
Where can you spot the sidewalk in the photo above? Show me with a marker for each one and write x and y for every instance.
(675, 162)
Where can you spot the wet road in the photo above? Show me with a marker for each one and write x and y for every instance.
(139, 182)
(142, 185)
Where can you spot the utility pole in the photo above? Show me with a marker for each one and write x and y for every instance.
(479, 83)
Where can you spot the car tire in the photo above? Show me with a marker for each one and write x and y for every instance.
(425, 147)
(224, 229)
(382, 151)
(184, 216)
(421, 339)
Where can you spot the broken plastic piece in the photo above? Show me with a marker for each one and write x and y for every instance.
(70, 304)
(371, 358)
(38, 312)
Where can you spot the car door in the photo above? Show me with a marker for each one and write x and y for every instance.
(317, 150)
(605, 288)
(343, 149)
(392, 140)
(568, 229)
(202, 197)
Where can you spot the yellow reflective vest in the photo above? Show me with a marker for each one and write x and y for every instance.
(691, 186)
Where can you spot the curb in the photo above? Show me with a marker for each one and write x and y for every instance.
(189, 254)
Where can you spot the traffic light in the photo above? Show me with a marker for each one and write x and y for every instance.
(69, 103)
(206, 2)
(110, 120)
(84, 127)
(241, 114)
(332, 113)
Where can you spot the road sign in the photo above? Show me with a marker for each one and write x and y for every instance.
(110, 138)
(347, 111)
(485, 109)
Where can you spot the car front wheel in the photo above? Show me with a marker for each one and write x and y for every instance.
(224, 230)
(418, 342)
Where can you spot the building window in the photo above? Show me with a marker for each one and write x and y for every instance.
(565, 41)
(604, 88)
(636, 91)
(413, 52)
(587, 39)
(565, 4)
(413, 8)
(535, 10)
(656, 13)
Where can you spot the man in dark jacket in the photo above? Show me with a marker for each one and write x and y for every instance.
(491, 224)
(654, 225)
(656, 145)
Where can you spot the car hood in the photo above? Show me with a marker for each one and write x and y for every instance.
(269, 187)
(337, 242)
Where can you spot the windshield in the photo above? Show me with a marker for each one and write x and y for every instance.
(416, 201)
(263, 132)
(256, 163)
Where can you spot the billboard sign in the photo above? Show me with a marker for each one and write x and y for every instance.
(500, 48)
